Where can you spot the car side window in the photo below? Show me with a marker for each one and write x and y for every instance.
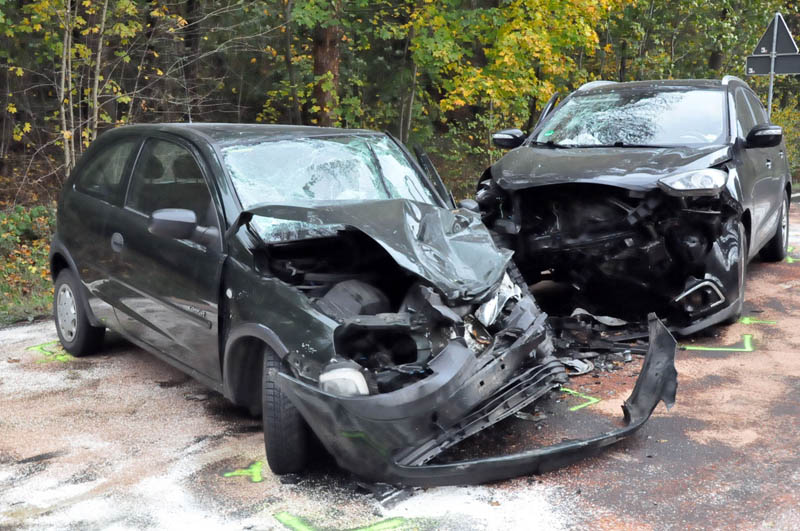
(745, 118)
(103, 177)
(168, 176)
(758, 109)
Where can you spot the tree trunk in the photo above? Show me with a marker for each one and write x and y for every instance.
(61, 89)
(96, 81)
(623, 48)
(294, 105)
(326, 67)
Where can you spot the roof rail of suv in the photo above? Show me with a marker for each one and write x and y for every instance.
(728, 79)
(598, 83)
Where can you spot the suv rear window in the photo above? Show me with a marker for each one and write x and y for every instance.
(104, 175)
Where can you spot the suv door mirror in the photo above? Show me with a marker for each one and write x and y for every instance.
(764, 136)
(469, 204)
(508, 138)
(178, 223)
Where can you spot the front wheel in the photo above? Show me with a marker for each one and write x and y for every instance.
(77, 335)
(286, 435)
(776, 248)
(742, 274)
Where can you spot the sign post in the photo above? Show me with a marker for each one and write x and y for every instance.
(775, 53)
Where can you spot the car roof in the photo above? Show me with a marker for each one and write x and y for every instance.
(224, 133)
(654, 84)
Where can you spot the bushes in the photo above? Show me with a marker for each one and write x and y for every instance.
(25, 285)
(788, 117)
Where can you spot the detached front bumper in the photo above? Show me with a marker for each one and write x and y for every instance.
(391, 438)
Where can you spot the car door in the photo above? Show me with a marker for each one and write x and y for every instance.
(172, 286)
(755, 170)
(769, 190)
(96, 192)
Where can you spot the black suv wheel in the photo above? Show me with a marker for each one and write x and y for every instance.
(776, 248)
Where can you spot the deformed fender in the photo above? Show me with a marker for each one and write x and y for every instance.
(365, 447)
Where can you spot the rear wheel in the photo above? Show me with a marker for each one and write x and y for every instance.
(77, 335)
(776, 248)
(286, 434)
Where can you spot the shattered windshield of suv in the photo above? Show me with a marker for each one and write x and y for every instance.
(657, 118)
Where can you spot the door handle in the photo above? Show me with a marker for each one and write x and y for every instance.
(117, 241)
(769, 164)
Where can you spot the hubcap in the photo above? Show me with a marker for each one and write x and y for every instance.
(66, 312)
(785, 224)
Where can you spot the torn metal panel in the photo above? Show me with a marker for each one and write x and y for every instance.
(451, 249)
(378, 437)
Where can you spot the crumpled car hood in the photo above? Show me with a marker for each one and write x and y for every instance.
(451, 249)
(631, 168)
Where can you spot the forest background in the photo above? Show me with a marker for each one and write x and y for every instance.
(442, 74)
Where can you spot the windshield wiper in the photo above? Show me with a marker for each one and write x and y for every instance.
(618, 144)
(550, 144)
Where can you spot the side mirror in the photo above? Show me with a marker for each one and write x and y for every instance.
(764, 136)
(508, 138)
(178, 223)
(469, 204)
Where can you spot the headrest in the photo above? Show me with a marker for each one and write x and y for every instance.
(184, 168)
(152, 169)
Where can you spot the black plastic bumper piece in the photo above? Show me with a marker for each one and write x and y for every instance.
(393, 443)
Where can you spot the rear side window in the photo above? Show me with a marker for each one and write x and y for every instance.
(758, 109)
(103, 177)
(168, 176)
(744, 114)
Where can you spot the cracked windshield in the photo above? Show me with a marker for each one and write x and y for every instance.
(636, 118)
(315, 170)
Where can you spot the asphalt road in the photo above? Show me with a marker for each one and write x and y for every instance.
(123, 441)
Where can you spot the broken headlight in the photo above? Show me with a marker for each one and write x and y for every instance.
(698, 182)
(343, 379)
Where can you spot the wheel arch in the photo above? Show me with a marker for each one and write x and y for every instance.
(60, 259)
(243, 361)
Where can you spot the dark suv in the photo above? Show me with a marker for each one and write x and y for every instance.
(644, 196)
(322, 278)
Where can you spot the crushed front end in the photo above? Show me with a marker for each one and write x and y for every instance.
(432, 336)
(624, 251)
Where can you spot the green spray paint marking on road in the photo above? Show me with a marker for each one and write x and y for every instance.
(293, 522)
(589, 399)
(52, 351)
(747, 342)
(296, 523)
(790, 259)
(751, 320)
(253, 472)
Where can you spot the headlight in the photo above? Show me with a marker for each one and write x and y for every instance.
(698, 182)
(344, 381)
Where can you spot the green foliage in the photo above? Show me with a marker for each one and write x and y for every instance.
(25, 284)
(788, 117)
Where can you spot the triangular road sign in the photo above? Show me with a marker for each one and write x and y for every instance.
(784, 43)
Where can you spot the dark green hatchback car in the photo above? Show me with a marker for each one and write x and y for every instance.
(323, 278)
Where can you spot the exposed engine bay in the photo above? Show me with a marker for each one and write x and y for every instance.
(434, 337)
(622, 252)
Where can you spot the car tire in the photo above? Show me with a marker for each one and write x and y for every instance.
(286, 434)
(76, 333)
(776, 248)
(742, 276)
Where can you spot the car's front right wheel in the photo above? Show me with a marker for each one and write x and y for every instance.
(286, 434)
(776, 248)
